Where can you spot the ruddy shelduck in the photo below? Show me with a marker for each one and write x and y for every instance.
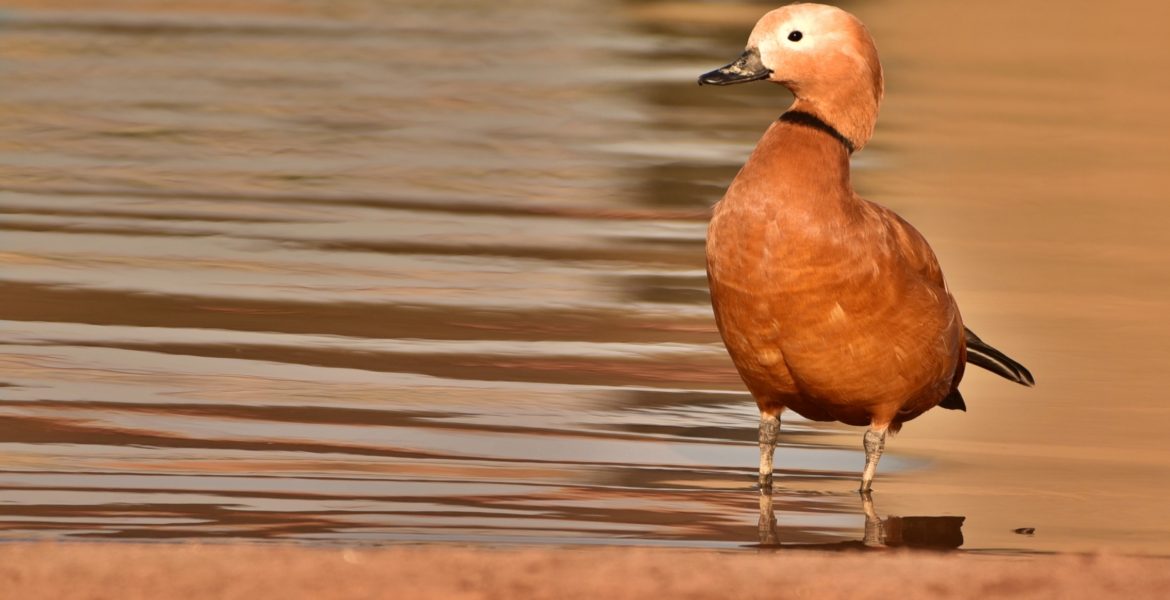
(829, 305)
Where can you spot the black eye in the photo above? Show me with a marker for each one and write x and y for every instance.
(795, 36)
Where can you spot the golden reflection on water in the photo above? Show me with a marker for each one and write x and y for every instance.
(428, 271)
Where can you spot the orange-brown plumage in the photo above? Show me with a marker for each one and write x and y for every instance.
(829, 305)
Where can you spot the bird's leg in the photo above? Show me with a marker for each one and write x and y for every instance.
(875, 442)
(769, 434)
(767, 527)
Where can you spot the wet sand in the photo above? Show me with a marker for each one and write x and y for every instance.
(77, 571)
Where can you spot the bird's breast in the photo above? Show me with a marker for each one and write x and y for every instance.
(814, 312)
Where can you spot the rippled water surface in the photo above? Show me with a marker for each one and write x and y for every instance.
(433, 271)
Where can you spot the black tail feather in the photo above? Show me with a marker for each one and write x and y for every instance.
(954, 401)
(982, 355)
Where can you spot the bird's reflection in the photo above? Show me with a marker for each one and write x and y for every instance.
(934, 533)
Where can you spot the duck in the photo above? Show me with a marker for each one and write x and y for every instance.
(829, 305)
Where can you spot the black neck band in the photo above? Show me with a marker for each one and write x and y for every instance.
(810, 120)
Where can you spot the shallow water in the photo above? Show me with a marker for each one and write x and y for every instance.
(430, 271)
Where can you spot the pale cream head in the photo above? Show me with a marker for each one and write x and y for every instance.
(827, 58)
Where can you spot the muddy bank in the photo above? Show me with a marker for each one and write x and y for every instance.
(74, 571)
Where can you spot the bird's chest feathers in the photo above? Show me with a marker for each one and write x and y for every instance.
(783, 281)
(766, 249)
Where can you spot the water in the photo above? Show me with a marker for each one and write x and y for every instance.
(432, 271)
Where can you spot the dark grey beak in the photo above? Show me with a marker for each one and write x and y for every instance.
(747, 67)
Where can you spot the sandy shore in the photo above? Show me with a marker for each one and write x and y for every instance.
(65, 571)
